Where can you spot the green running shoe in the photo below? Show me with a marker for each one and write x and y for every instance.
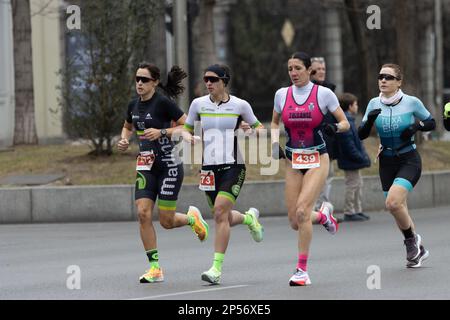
(152, 275)
(255, 228)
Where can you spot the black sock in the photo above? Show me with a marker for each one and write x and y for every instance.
(408, 233)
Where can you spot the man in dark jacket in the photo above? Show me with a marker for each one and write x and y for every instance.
(352, 158)
(317, 76)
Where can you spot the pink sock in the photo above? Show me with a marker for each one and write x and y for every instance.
(302, 261)
(322, 217)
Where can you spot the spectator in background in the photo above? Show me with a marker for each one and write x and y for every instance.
(318, 75)
(352, 158)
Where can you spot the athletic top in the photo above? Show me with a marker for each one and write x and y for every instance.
(302, 111)
(157, 112)
(392, 120)
(218, 123)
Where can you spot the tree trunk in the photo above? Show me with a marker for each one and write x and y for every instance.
(205, 53)
(25, 126)
(367, 63)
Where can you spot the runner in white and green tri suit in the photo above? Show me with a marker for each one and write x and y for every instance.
(223, 171)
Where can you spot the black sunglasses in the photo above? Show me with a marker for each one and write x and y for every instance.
(144, 79)
(211, 79)
(388, 77)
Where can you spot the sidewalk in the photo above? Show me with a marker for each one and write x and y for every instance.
(116, 203)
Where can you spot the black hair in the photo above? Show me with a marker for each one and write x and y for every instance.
(173, 87)
(222, 71)
(302, 56)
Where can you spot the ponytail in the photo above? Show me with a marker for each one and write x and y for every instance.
(173, 86)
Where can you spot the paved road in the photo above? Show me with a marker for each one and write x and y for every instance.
(34, 261)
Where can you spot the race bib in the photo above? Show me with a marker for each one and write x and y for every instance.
(305, 159)
(207, 181)
(144, 161)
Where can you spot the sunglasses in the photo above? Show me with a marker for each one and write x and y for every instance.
(211, 79)
(388, 77)
(144, 79)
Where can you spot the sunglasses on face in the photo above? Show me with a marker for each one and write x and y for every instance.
(211, 79)
(144, 79)
(388, 77)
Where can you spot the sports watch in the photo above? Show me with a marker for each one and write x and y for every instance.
(163, 132)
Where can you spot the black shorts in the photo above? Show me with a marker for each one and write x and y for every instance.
(229, 179)
(163, 181)
(404, 170)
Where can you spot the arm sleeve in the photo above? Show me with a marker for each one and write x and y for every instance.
(327, 99)
(279, 100)
(192, 116)
(420, 111)
(366, 126)
(248, 115)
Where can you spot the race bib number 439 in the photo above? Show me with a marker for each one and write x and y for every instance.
(305, 159)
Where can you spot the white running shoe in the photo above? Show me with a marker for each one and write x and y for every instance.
(331, 223)
(300, 278)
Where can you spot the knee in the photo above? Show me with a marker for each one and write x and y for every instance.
(220, 213)
(393, 205)
(167, 222)
(144, 215)
(302, 215)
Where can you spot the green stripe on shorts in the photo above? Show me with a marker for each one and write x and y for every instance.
(167, 204)
(227, 195)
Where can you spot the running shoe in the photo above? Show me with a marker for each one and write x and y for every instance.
(413, 247)
(416, 263)
(200, 227)
(212, 276)
(331, 223)
(255, 228)
(152, 275)
(300, 278)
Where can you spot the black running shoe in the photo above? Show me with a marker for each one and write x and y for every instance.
(416, 263)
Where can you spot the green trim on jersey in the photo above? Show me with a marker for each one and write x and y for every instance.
(256, 124)
(219, 115)
(188, 127)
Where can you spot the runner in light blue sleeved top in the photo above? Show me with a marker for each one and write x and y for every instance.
(394, 114)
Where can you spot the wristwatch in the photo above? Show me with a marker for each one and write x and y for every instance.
(163, 132)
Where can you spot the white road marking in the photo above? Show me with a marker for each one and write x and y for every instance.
(187, 292)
